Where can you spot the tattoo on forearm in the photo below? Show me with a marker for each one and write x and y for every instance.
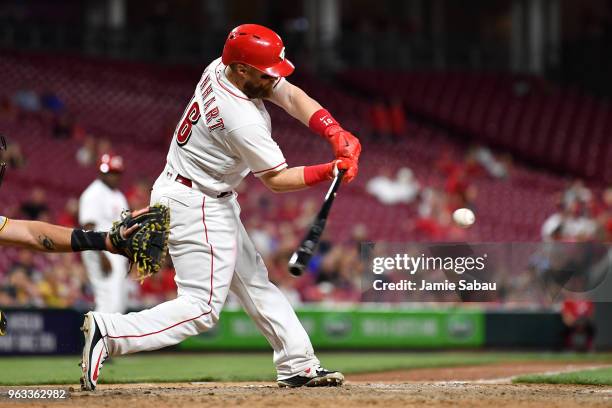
(46, 242)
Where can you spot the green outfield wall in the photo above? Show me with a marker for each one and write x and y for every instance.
(356, 329)
(375, 327)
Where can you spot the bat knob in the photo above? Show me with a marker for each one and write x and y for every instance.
(297, 264)
(296, 270)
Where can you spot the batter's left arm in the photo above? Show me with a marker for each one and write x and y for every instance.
(308, 111)
(295, 102)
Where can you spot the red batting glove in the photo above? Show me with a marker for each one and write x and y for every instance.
(351, 167)
(327, 171)
(344, 143)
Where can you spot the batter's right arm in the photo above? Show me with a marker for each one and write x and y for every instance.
(298, 178)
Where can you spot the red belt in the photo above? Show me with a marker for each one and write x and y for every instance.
(186, 182)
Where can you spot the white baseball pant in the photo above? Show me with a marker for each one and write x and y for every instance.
(212, 254)
(110, 290)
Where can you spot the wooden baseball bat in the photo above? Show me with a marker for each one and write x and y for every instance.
(300, 258)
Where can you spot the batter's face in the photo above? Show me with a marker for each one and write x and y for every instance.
(258, 84)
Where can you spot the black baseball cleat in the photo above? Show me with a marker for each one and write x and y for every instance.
(313, 377)
(95, 353)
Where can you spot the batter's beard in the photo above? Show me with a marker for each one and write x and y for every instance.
(256, 92)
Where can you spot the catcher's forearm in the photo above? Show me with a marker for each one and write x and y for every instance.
(42, 236)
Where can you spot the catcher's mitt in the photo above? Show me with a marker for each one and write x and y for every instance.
(145, 247)
(3, 323)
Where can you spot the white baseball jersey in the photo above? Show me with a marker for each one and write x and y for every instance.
(223, 135)
(100, 205)
(3, 222)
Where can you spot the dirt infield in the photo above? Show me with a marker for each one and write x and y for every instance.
(481, 386)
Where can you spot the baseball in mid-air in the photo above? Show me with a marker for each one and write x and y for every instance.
(464, 217)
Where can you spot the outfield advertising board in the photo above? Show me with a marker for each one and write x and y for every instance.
(356, 328)
(42, 332)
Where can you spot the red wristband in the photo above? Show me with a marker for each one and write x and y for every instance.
(320, 121)
(318, 173)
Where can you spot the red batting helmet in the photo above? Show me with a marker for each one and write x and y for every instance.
(259, 47)
(110, 163)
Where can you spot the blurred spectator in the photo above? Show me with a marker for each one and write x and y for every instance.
(552, 228)
(6, 297)
(27, 100)
(457, 181)
(435, 218)
(25, 261)
(23, 290)
(13, 156)
(606, 215)
(8, 110)
(36, 206)
(79, 132)
(403, 189)
(359, 234)
(578, 318)
(398, 118)
(579, 225)
(573, 220)
(62, 127)
(577, 192)
(494, 167)
(262, 235)
(52, 103)
(607, 199)
(87, 153)
(447, 164)
(433, 228)
(380, 121)
(138, 195)
(69, 215)
(53, 289)
(289, 209)
(338, 275)
(308, 211)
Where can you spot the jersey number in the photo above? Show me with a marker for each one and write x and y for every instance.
(185, 127)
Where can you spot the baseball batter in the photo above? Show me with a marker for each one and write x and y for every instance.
(99, 205)
(224, 134)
